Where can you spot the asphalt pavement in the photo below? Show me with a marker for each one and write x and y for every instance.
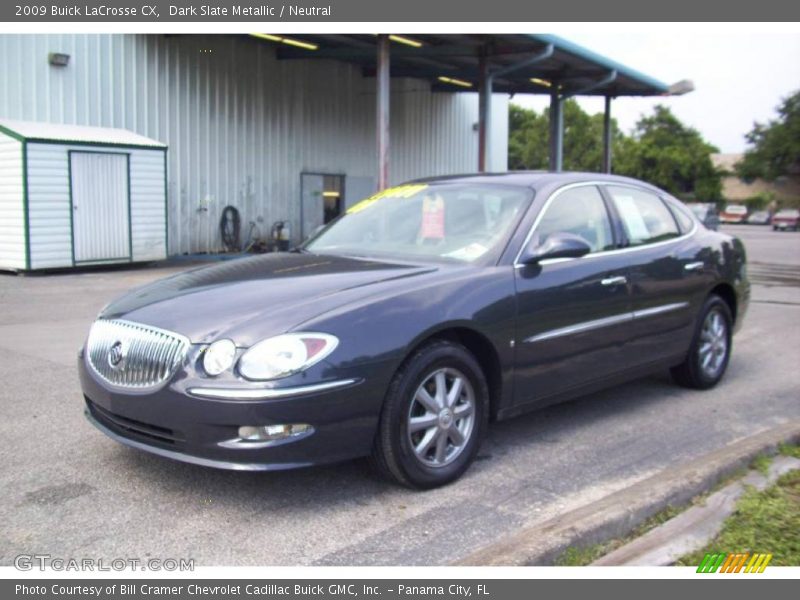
(68, 491)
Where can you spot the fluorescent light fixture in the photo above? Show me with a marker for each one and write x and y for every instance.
(285, 40)
(404, 40)
(458, 82)
(542, 82)
(331, 194)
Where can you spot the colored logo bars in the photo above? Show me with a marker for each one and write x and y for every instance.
(734, 563)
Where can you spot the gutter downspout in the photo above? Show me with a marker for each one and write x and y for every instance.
(485, 99)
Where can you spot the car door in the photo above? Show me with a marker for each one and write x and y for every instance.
(573, 315)
(666, 273)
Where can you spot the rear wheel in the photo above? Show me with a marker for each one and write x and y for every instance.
(708, 356)
(434, 417)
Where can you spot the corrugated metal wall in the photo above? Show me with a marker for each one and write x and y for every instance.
(241, 126)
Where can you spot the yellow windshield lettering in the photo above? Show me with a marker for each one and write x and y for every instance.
(401, 191)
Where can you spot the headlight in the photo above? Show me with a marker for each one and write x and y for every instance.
(218, 357)
(284, 355)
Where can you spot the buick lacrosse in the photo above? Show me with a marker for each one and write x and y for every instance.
(401, 329)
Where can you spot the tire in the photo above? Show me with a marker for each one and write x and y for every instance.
(713, 334)
(394, 455)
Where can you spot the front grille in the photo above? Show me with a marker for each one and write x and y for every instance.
(126, 426)
(135, 356)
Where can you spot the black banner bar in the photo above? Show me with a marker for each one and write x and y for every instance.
(338, 11)
(733, 588)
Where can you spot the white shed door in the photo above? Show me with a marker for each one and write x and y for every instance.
(100, 216)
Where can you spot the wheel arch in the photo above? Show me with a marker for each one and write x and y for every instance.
(480, 346)
(727, 292)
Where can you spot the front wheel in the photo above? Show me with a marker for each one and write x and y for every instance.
(434, 417)
(708, 356)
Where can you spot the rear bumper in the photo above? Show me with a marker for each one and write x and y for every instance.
(203, 431)
(784, 224)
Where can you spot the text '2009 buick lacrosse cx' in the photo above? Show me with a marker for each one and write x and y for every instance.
(408, 324)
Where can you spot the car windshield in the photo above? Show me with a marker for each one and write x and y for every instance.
(736, 209)
(444, 221)
(788, 212)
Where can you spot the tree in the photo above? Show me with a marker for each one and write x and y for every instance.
(665, 152)
(529, 134)
(527, 139)
(775, 147)
(661, 149)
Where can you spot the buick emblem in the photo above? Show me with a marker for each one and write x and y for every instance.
(116, 355)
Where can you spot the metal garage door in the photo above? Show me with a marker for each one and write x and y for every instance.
(100, 203)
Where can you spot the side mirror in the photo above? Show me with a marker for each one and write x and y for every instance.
(557, 245)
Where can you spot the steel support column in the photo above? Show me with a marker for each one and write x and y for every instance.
(556, 132)
(484, 114)
(485, 86)
(382, 110)
(608, 135)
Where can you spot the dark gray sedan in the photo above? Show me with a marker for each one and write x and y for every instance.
(405, 326)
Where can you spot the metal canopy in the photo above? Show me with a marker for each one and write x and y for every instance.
(487, 64)
(571, 67)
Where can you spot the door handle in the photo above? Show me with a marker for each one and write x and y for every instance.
(619, 280)
(694, 266)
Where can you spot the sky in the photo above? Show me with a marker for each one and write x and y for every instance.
(739, 77)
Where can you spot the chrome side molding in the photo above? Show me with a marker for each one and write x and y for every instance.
(605, 322)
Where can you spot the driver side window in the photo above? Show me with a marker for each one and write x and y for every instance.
(580, 211)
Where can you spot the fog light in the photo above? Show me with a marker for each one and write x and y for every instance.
(266, 433)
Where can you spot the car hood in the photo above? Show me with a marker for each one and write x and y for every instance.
(251, 298)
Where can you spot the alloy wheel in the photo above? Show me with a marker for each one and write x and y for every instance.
(441, 417)
(713, 348)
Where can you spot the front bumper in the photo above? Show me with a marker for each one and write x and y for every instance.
(172, 423)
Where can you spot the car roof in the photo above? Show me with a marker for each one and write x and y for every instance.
(532, 179)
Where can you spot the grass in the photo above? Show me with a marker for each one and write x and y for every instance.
(789, 450)
(761, 464)
(766, 521)
(770, 518)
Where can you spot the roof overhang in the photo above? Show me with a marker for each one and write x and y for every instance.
(452, 63)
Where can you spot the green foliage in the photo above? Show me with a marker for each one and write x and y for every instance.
(765, 522)
(527, 139)
(775, 146)
(789, 450)
(661, 150)
(760, 200)
(761, 464)
(665, 152)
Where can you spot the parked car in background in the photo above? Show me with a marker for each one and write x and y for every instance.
(760, 217)
(413, 320)
(734, 213)
(706, 213)
(788, 218)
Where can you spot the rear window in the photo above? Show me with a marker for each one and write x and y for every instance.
(736, 209)
(644, 215)
(681, 214)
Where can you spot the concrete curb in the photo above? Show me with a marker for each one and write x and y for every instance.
(619, 513)
(695, 527)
